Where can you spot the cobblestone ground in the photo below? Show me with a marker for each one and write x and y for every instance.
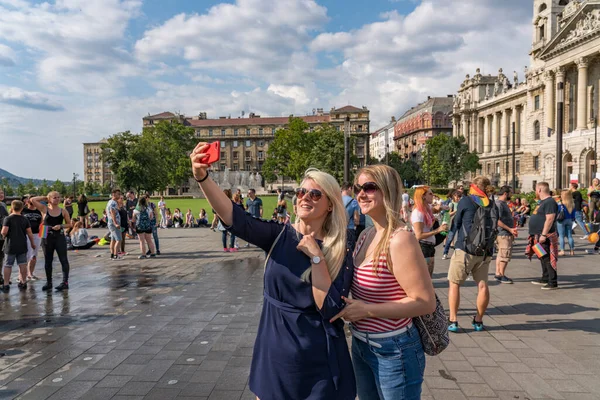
(183, 326)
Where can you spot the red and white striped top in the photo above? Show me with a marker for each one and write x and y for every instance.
(376, 288)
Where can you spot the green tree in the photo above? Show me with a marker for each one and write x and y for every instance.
(289, 152)
(106, 188)
(30, 188)
(327, 153)
(89, 188)
(447, 159)
(408, 169)
(60, 187)
(44, 188)
(21, 190)
(8, 189)
(172, 143)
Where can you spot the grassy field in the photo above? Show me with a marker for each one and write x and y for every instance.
(269, 204)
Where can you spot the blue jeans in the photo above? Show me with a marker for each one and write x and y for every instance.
(155, 235)
(579, 220)
(449, 239)
(392, 372)
(565, 228)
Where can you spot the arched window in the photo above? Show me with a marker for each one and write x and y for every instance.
(542, 7)
(536, 130)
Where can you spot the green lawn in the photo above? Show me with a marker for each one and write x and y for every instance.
(269, 204)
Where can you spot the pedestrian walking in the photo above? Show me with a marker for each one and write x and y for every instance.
(34, 216)
(593, 193)
(162, 206)
(351, 206)
(391, 285)
(507, 232)
(55, 221)
(82, 210)
(68, 205)
(564, 222)
(142, 221)
(454, 196)
(298, 353)
(543, 240)
(3, 214)
(131, 203)
(475, 225)
(578, 206)
(422, 221)
(114, 224)
(15, 231)
(153, 222)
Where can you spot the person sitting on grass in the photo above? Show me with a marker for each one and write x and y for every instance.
(16, 229)
(189, 219)
(93, 217)
(202, 219)
(177, 218)
(80, 237)
(169, 218)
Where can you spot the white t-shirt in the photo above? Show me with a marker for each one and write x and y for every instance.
(418, 216)
(405, 200)
(161, 204)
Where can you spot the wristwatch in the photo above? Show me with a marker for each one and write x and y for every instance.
(316, 260)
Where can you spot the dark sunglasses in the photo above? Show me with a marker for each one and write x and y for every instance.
(367, 187)
(314, 194)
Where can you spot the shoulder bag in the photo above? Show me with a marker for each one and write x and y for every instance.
(433, 329)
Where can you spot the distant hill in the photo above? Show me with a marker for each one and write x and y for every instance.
(14, 180)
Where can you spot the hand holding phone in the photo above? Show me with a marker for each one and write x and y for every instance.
(213, 153)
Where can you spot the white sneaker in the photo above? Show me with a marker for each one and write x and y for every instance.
(445, 257)
(584, 237)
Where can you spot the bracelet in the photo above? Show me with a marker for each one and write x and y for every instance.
(203, 179)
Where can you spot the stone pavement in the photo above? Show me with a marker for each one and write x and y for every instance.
(183, 326)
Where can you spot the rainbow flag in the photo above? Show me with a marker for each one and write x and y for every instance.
(539, 251)
(588, 228)
(44, 231)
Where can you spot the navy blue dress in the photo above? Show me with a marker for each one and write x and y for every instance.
(298, 353)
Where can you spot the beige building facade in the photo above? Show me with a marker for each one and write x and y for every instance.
(245, 141)
(94, 170)
(565, 50)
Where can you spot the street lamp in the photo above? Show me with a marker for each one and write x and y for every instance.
(559, 132)
(347, 149)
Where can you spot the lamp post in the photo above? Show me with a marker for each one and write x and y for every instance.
(387, 154)
(559, 132)
(514, 162)
(74, 182)
(347, 149)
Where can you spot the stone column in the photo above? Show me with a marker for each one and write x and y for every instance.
(550, 106)
(504, 142)
(495, 133)
(590, 107)
(454, 126)
(559, 73)
(515, 119)
(582, 83)
(481, 135)
(474, 130)
(486, 134)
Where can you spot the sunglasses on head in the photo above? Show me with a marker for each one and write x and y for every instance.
(314, 194)
(367, 187)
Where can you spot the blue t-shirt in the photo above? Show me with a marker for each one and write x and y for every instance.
(112, 205)
(351, 206)
(254, 206)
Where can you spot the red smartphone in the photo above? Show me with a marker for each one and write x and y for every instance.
(213, 153)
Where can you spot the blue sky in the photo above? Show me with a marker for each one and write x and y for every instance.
(74, 71)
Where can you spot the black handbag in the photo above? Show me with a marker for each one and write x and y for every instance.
(439, 237)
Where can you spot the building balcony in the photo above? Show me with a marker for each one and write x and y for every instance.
(248, 158)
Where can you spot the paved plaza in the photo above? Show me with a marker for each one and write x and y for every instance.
(183, 326)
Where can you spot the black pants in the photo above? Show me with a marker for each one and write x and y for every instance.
(88, 245)
(56, 241)
(549, 274)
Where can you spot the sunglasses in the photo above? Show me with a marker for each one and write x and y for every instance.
(314, 194)
(367, 187)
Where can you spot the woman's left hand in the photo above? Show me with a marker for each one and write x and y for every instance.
(355, 310)
(308, 245)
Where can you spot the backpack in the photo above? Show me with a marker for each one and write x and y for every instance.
(479, 241)
(143, 221)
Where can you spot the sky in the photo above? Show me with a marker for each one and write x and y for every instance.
(76, 71)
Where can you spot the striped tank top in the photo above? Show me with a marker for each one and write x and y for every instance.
(376, 288)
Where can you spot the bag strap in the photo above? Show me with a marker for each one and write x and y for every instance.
(272, 247)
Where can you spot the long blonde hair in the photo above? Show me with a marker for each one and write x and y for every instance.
(335, 224)
(566, 198)
(390, 184)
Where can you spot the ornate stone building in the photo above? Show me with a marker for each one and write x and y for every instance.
(565, 49)
(244, 141)
(421, 123)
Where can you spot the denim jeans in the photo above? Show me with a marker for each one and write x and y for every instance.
(565, 229)
(231, 239)
(393, 371)
(579, 220)
(155, 235)
(449, 239)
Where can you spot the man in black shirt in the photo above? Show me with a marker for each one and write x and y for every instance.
(15, 230)
(542, 230)
(34, 216)
(578, 200)
(131, 204)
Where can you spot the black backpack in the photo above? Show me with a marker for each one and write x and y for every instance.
(479, 241)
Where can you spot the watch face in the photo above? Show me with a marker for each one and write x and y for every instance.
(316, 259)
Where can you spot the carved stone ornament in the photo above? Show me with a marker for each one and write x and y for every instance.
(496, 88)
(582, 62)
(584, 28)
(487, 92)
(515, 78)
(571, 8)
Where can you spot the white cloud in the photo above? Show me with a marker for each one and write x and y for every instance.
(21, 98)
(7, 56)
(246, 38)
(78, 42)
